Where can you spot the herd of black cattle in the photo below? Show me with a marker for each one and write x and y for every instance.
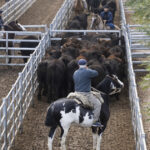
(55, 72)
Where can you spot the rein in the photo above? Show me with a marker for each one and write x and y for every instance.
(113, 92)
(94, 89)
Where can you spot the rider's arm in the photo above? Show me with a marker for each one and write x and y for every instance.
(92, 73)
(110, 18)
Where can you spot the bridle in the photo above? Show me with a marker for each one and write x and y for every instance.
(117, 90)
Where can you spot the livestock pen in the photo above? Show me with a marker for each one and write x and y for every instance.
(25, 87)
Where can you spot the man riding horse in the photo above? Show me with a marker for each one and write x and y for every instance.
(82, 81)
(107, 17)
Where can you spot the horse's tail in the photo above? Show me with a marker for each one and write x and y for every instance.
(49, 117)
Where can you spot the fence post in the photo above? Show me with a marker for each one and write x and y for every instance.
(50, 33)
(5, 122)
(7, 59)
(21, 103)
(32, 79)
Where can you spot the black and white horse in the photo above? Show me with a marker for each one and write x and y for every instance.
(64, 112)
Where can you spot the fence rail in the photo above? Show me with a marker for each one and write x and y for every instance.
(13, 9)
(18, 100)
(133, 95)
(63, 15)
(12, 45)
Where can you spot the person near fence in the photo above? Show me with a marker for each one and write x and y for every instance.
(1, 20)
(107, 17)
(82, 81)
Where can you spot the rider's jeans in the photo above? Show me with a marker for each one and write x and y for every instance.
(95, 102)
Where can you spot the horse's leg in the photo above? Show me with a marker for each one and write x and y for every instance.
(63, 138)
(94, 131)
(51, 137)
(99, 138)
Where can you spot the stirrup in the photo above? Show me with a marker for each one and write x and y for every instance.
(97, 124)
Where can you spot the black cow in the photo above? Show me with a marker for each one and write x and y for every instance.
(55, 79)
(71, 68)
(28, 45)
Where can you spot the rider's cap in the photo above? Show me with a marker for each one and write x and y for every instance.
(106, 6)
(1, 11)
(82, 62)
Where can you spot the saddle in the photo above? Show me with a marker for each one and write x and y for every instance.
(83, 100)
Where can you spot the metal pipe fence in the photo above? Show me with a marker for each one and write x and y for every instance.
(15, 105)
(13, 9)
(63, 15)
(137, 123)
(10, 47)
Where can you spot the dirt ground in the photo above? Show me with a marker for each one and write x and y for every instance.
(117, 136)
(8, 76)
(42, 12)
(145, 105)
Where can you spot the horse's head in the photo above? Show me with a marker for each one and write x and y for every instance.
(92, 20)
(110, 85)
(97, 22)
(16, 26)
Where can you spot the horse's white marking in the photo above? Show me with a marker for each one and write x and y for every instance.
(50, 141)
(121, 83)
(91, 26)
(94, 141)
(85, 4)
(68, 118)
(23, 28)
(99, 138)
(63, 146)
(87, 122)
(63, 104)
(112, 86)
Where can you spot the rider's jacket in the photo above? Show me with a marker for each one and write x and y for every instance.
(82, 79)
(1, 22)
(107, 16)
